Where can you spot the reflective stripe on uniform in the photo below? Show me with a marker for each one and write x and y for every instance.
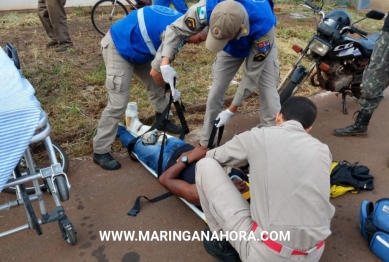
(143, 30)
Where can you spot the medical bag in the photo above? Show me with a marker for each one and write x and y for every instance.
(374, 226)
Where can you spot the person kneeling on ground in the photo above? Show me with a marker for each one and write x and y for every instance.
(289, 188)
(178, 165)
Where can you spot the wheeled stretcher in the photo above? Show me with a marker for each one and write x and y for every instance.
(24, 123)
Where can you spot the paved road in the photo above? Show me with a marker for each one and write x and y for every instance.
(100, 201)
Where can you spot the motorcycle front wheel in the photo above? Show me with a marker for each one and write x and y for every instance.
(287, 92)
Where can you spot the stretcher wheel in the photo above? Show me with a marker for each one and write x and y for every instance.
(62, 188)
(68, 231)
(71, 237)
(42, 161)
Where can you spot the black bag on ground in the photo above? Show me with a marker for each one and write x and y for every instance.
(346, 174)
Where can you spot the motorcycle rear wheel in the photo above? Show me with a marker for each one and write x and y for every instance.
(357, 92)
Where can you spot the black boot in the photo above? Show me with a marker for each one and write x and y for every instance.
(359, 128)
(170, 126)
(106, 161)
(221, 250)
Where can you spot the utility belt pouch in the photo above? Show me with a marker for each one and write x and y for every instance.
(374, 226)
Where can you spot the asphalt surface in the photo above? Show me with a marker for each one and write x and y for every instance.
(101, 199)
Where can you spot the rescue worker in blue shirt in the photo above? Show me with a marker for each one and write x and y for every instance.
(128, 48)
(240, 32)
(179, 5)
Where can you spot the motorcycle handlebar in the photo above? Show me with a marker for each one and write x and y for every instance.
(352, 30)
(316, 9)
(311, 5)
(359, 31)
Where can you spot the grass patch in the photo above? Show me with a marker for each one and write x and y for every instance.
(18, 19)
(71, 85)
(97, 75)
(79, 11)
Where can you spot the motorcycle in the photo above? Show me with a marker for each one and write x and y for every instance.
(338, 60)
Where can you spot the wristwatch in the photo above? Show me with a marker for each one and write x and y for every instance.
(185, 160)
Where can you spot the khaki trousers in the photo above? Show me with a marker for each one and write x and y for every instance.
(53, 17)
(119, 73)
(226, 210)
(261, 76)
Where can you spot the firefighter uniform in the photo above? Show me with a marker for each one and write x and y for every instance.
(289, 188)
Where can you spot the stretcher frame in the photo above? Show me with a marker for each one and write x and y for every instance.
(190, 205)
(53, 175)
(197, 211)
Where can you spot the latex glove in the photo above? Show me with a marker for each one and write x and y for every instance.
(224, 117)
(168, 74)
(176, 95)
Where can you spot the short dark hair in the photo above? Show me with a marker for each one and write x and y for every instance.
(300, 109)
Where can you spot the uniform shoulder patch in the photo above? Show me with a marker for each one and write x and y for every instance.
(263, 38)
(191, 23)
(201, 12)
(259, 57)
(264, 46)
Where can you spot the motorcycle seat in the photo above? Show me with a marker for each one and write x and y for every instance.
(368, 43)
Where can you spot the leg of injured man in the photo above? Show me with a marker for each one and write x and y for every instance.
(179, 162)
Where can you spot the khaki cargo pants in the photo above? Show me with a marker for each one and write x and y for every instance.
(226, 210)
(119, 73)
(257, 76)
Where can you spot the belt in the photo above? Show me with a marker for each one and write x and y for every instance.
(278, 247)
